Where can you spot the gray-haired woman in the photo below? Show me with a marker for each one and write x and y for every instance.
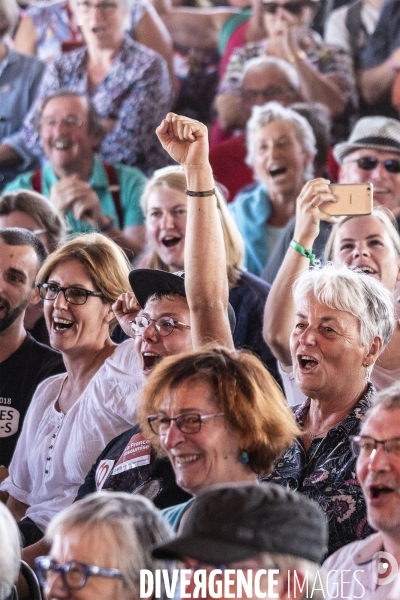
(100, 545)
(343, 321)
(281, 149)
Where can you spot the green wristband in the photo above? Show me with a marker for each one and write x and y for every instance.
(307, 253)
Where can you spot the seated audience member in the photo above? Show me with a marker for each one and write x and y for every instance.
(324, 71)
(370, 243)
(99, 547)
(343, 322)
(169, 315)
(10, 552)
(127, 82)
(72, 417)
(164, 204)
(378, 470)
(24, 363)
(253, 527)
(265, 78)
(20, 77)
(34, 212)
(381, 59)
(281, 150)
(350, 26)
(90, 193)
(371, 154)
(49, 29)
(212, 431)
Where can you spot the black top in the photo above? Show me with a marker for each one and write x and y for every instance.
(129, 464)
(20, 374)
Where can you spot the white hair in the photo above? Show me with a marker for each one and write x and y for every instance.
(259, 63)
(134, 522)
(10, 10)
(10, 551)
(273, 111)
(354, 292)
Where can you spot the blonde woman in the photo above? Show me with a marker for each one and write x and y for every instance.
(164, 204)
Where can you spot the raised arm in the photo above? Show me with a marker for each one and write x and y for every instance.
(206, 283)
(279, 309)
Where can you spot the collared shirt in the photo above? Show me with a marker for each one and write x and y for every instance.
(136, 93)
(326, 473)
(131, 182)
(352, 573)
(251, 210)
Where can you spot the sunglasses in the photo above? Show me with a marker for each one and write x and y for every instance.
(293, 7)
(369, 163)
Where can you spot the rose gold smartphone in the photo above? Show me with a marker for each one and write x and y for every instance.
(352, 199)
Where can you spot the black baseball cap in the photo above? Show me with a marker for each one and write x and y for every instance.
(147, 282)
(232, 523)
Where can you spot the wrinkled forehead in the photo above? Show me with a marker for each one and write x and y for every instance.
(65, 105)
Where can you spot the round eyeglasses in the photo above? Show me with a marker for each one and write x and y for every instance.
(74, 574)
(187, 423)
(73, 295)
(369, 163)
(164, 325)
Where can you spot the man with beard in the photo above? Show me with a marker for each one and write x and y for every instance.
(24, 363)
(93, 195)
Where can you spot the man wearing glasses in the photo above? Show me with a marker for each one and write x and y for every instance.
(93, 195)
(24, 363)
(371, 154)
(377, 558)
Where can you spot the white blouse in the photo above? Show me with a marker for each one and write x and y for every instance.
(55, 450)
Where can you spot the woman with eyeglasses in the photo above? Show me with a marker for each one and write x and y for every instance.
(219, 417)
(73, 416)
(325, 71)
(99, 547)
(368, 243)
(128, 83)
(168, 314)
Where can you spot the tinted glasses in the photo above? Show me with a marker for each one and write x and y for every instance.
(294, 7)
(369, 163)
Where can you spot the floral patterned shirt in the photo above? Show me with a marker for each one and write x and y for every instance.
(326, 58)
(136, 93)
(326, 473)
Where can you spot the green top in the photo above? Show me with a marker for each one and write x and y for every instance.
(131, 182)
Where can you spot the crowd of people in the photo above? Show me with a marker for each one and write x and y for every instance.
(199, 362)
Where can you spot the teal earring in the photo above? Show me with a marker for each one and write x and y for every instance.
(244, 457)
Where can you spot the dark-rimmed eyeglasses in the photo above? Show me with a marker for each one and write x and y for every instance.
(268, 93)
(104, 7)
(70, 122)
(364, 445)
(187, 423)
(294, 7)
(164, 325)
(369, 163)
(74, 574)
(73, 295)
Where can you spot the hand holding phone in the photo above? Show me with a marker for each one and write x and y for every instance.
(352, 199)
